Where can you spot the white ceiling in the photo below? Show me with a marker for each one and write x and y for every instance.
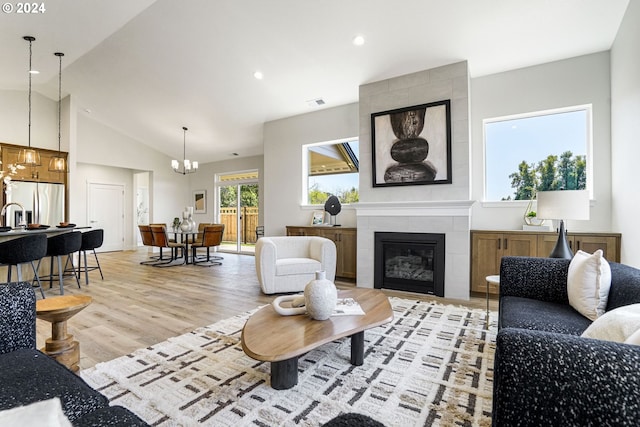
(147, 68)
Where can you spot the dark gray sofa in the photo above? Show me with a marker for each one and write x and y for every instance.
(28, 376)
(545, 373)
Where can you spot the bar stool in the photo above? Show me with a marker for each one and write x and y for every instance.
(24, 250)
(59, 246)
(90, 241)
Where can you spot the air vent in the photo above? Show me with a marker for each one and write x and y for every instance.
(315, 102)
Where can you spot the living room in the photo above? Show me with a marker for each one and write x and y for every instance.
(606, 78)
(602, 79)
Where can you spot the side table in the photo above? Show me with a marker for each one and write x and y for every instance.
(57, 310)
(491, 280)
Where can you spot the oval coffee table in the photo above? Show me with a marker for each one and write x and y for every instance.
(270, 337)
(57, 310)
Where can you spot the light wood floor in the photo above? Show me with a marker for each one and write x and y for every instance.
(136, 305)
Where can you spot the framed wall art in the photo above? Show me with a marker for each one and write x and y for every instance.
(200, 201)
(412, 145)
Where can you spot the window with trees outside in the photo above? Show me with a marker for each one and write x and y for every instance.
(332, 168)
(542, 151)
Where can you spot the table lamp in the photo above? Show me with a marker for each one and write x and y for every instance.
(562, 205)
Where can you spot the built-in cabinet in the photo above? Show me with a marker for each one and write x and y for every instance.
(36, 173)
(345, 239)
(488, 247)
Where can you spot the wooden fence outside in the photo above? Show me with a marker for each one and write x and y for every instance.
(248, 223)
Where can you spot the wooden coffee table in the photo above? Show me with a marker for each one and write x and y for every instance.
(57, 310)
(270, 337)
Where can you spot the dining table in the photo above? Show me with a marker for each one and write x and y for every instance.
(186, 237)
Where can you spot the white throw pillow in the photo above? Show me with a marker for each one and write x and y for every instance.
(46, 413)
(616, 325)
(634, 338)
(588, 283)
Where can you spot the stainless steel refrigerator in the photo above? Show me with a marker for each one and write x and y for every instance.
(43, 203)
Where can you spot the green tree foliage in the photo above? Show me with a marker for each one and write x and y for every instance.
(566, 172)
(524, 181)
(248, 195)
(318, 197)
(548, 174)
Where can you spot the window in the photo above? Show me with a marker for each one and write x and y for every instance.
(547, 150)
(331, 168)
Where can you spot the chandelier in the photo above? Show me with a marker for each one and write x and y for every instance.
(187, 165)
(29, 156)
(57, 163)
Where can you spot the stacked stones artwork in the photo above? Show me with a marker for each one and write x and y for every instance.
(409, 149)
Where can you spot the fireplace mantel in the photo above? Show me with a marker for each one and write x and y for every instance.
(425, 208)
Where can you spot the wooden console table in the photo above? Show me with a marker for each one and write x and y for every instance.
(345, 238)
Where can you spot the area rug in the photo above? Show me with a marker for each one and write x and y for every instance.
(432, 365)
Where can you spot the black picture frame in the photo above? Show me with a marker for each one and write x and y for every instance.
(399, 153)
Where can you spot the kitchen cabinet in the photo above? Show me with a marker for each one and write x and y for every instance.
(345, 239)
(36, 173)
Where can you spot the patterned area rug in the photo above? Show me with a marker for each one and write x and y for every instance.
(432, 365)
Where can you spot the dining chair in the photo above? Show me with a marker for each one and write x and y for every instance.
(160, 240)
(211, 237)
(198, 237)
(147, 240)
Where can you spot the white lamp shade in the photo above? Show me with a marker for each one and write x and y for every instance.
(194, 165)
(564, 204)
(175, 164)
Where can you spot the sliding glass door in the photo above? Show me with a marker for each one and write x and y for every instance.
(238, 211)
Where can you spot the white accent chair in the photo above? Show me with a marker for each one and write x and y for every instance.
(288, 263)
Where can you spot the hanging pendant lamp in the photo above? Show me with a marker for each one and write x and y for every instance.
(29, 156)
(187, 165)
(58, 163)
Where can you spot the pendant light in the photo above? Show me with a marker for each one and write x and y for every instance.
(29, 156)
(57, 163)
(187, 165)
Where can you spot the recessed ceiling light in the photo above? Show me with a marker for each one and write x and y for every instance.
(358, 40)
(258, 75)
(34, 72)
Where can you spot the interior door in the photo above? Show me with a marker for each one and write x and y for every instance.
(106, 211)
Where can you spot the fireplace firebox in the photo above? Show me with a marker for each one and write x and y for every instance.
(412, 262)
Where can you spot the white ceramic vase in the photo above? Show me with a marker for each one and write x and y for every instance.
(320, 296)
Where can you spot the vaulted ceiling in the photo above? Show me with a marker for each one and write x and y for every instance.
(146, 68)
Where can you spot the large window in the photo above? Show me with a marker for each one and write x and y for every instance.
(547, 150)
(332, 168)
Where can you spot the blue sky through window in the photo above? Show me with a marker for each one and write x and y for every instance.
(532, 139)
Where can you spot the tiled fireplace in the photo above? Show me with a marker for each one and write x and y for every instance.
(448, 219)
(412, 262)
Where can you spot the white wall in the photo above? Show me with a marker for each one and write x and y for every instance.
(204, 180)
(438, 84)
(14, 120)
(625, 94)
(283, 141)
(575, 81)
(104, 155)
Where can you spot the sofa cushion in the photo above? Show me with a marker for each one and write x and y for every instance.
(625, 286)
(28, 376)
(527, 313)
(588, 283)
(286, 267)
(615, 325)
